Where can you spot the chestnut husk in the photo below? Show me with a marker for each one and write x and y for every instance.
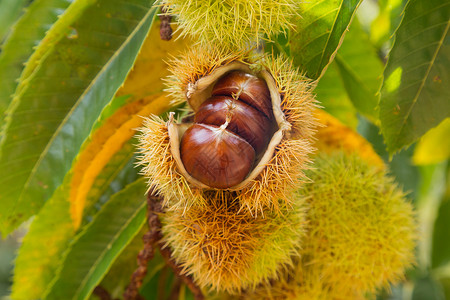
(199, 92)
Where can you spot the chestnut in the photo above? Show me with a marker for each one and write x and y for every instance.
(215, 156)
(231, 131)
(245, 121)
(248, 88)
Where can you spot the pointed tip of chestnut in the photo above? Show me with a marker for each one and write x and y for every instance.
(216, 157)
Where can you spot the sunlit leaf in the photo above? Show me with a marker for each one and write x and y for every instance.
(319, 32)
(354, 75)
(384, 25)
(92, 252)
(434, 146)
(57, 107)
(415, 94)
(331, 94)
(25, 35)
(142, 94)
(104, 144)
(119, 171)
(151, 64)
(361, 70)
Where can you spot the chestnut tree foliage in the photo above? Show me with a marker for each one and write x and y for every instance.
(77, 75)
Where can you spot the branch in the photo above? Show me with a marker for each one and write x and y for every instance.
(151, 239)
(165, 31)
(102, 293)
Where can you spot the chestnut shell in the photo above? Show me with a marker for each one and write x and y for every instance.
(250, 124)
(215, 156)
(249, 88)
(198, 91)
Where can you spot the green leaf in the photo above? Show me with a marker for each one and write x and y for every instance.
(119, 275)
(440, 254)
(319, 32)
(40, 253)
(10, 10)
(352, 79)
(388, 19)
(62, 99)
(364, 100)
(92, 252)
(25, 35)
(115, 175)
(37, 262)
(415, 94)
(107, 148)
(361, 70)
(331, 93)
(60, 29)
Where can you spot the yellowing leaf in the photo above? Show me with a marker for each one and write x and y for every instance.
(434, 146)
(336, 136)
(39, 255)
(62, 98)
(141, 83)
(104, 143)
(150, 66)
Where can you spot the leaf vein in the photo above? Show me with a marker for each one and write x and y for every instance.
(441, 41)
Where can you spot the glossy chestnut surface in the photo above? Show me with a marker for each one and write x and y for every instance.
(245, 121)
(249, 89)
(231, 131)
(215, 156)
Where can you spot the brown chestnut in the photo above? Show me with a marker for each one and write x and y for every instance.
(244, 120)
(248, 88)
(215, 156)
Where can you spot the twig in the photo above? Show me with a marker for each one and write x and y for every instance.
(102, 293)
(165, 31)
(150, 238)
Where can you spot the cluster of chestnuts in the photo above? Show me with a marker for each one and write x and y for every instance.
(231, 130)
